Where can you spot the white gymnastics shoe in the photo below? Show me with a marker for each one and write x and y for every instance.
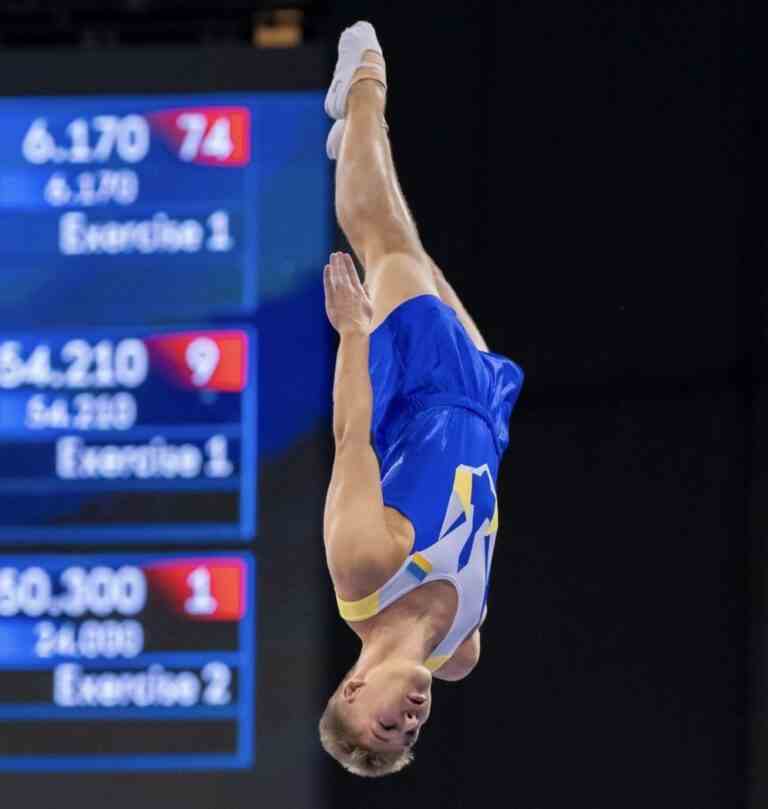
(350, 67)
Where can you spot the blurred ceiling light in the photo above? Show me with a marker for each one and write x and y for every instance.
(278, 29)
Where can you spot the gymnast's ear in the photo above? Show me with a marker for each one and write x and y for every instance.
(351, 687)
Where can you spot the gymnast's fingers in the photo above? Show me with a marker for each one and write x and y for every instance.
(354, 278)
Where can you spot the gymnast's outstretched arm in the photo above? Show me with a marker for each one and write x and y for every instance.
(357, 539)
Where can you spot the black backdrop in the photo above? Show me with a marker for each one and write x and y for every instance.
(577, 171)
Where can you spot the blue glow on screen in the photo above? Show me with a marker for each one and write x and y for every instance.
(130, 213)
(153, 219)
(55, 637)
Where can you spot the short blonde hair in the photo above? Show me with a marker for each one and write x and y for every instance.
(339, 741)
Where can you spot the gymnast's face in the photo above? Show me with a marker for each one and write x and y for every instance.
(387, 707)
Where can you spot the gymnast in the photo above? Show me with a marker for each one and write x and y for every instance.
(420, 421)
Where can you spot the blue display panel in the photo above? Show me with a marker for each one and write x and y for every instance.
(158, 209)
(126, 217)
(127, 662)
(127, 434)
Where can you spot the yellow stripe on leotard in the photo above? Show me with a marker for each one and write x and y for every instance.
(422, 562)
(462, 485)
(359, 610)
(371, 605)
(434, 663)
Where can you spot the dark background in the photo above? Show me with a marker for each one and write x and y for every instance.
(577, 171)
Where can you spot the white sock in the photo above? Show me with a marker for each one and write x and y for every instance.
(353, 43)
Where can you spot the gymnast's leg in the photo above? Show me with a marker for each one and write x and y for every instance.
(451, 298)
(372, 210)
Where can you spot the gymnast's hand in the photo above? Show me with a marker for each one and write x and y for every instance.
(346, 302)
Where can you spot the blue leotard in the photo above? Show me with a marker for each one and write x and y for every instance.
(440, 427)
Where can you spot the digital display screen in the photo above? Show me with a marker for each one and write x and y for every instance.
(130, 661)
(161, 263)
(148, 198)
(164, 359)
(158, 209)
(127, 434)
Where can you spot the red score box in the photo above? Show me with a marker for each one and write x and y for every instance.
(202, 588)
(202, 360)
(206, 136)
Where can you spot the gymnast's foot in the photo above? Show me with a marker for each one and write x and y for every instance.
(360, 59)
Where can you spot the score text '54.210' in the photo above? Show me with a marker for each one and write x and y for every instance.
(81, 364)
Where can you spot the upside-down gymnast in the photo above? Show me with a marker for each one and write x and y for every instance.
(420, 417)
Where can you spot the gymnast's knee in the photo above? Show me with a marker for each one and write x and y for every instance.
(375, 231)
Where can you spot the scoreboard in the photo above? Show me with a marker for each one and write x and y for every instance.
(106, 199)
(122, 434)
(161, 299)
(150, 657)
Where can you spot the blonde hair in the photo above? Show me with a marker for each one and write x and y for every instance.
(339, 741)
